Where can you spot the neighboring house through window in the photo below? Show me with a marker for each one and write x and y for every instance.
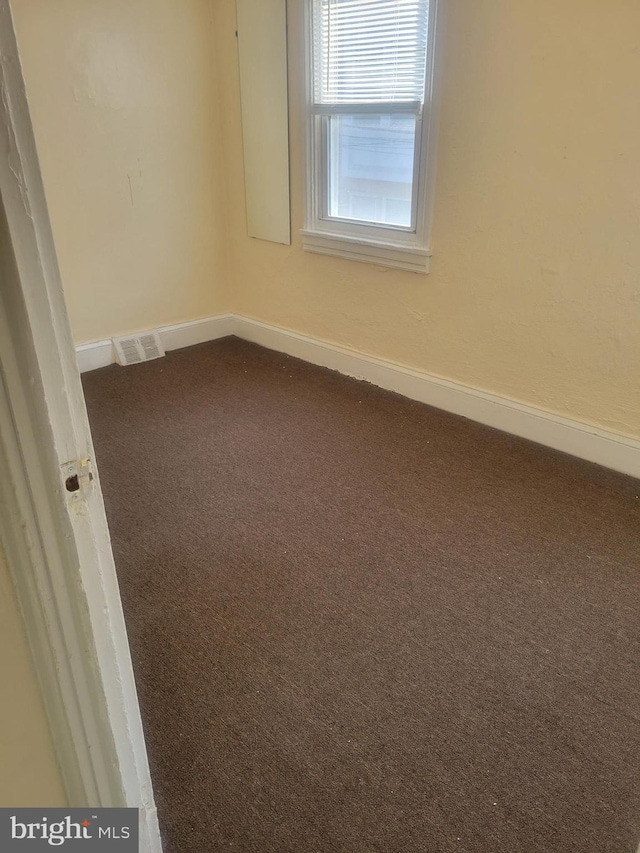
(369, 150)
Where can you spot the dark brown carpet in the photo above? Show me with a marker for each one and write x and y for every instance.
(360, 624)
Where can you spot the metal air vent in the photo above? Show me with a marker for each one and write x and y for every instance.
(136, 348)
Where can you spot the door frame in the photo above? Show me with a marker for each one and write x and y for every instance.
(57, 543)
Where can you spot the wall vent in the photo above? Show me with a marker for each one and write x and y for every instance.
(136, 348)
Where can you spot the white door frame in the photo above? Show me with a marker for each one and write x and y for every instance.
(57, 547)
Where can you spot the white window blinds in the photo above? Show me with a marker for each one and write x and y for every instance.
(369, 52)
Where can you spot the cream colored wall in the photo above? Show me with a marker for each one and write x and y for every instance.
(123, 95)
(534, 288)
(534, 291)
(28, 770)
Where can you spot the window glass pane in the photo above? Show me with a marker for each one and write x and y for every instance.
(371, 160)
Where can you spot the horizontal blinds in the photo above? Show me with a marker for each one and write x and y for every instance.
(369, 51)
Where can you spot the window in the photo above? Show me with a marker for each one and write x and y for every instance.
(369, 114)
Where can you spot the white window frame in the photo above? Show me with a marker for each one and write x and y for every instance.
(390, 246)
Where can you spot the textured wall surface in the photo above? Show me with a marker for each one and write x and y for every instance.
(123, 97)
(535, 285)
(29, 773)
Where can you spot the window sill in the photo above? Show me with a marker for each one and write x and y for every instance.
(384, 254)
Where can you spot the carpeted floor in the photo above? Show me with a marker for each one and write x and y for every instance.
(359, 624)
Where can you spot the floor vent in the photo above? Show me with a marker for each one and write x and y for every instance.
(137, 348)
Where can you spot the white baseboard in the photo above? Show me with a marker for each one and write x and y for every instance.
(101, 353)
(94, 355)
(576, 438)
(197, 331)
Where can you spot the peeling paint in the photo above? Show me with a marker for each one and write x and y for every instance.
(13, 159)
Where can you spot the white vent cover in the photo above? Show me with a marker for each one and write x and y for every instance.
(137, 348)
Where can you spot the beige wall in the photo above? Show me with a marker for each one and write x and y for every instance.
(123, 95)
(28, 770)
(534, 289)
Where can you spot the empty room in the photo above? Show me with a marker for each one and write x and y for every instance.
(343, 299)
